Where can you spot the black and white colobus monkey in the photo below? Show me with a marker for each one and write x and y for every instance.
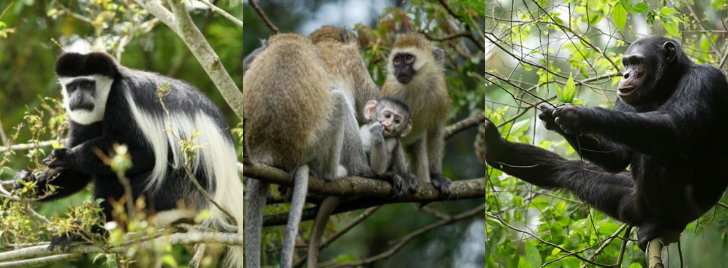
(108, 104)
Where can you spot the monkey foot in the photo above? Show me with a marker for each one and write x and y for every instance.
(651, 230)
(441, 183)
(403, 185)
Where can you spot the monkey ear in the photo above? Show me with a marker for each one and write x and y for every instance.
(406, 129)
(670, 51)
(369, 110)
(439, 55)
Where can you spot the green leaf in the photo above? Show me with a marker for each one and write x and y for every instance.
(619, 15)
(532, 255)
(594, 18)
(540, 203)
(640, 7)
(569, 91)
(673, 28)
(520, 127)
(667, 11)
(626, 4)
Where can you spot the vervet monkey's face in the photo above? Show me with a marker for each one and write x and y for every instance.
(404, 69)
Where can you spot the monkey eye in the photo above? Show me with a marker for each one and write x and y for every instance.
(409, 58)
(387, 115)
(397, 60)
(396, 120)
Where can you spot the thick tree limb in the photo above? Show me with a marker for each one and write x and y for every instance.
(358, 186)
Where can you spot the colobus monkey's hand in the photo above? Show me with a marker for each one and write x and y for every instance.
(40, 177)
(59, 158)
(63, 241)
(377, 131)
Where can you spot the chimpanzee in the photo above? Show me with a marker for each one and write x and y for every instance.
(670, 124)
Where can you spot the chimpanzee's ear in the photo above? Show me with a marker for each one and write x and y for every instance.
(670, 51)
(369, 110)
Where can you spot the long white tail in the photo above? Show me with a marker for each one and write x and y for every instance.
(220, 162)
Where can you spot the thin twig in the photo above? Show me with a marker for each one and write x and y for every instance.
(341, 232)
(402, 242)
(73, 14)
(263, 16)
(218, 10)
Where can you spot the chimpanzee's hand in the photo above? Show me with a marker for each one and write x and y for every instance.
(59, 158)
(547, 117)
(571, 118)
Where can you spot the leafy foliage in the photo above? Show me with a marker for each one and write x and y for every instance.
(570, 52)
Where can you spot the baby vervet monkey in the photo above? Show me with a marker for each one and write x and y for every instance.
(389, 120)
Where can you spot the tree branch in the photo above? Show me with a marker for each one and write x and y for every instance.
(38, 261)
(402, 242)
(189, 238)
(358, 186)
(218, 10)
(475, 119)
(263, 16)
(360, 218)
(181, 23)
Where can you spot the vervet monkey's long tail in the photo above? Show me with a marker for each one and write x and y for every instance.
(300, 188)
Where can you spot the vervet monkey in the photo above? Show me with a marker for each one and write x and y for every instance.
(416, 75)
(248, 60)
(297, 121)
(388, 120)
(339, 50)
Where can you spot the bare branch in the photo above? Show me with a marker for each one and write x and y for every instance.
(190, 238)
(341, 232)
(218, 10)
(654, 254)
(38, 261)
(359, 186)
(402, 242)
(26, 146)
(263, 16)
(475, 119)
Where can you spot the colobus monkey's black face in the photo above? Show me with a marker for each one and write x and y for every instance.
(404, 68)
(81, 93)
(85, 97)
